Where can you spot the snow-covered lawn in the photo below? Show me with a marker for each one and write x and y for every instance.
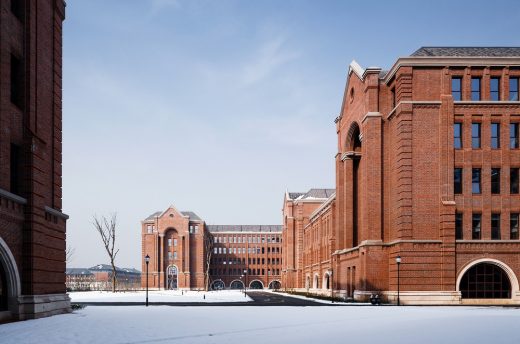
(160, 296)
(251, 325)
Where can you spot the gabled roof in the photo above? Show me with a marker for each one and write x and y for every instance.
(312, 194)
(468, 52)
(191, 215)
(153, 216)
(244, 228)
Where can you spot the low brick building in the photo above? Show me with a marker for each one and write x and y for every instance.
(99, 277)
(32, 225)
(185, 253)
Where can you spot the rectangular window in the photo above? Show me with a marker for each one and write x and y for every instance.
(457, 180)
(456, 88)
(495, 226)
(196, 228)
(175, 255)
(476, 181)
(170, 256)
(220, 250)
(514, 226)
(513, 180)
(215, 250)
(15, 169)
(18, 8)
(457, 135)
(149, 229)
(169, 242)
(191, 229)
(458, 226)
(495, 89)
(174, 242)
(224, 250)
(513, 89)
(513, 135)
(17, 82)
(495, 180)
(475, 230)
(475, 135)
(495, 135)
(475, 88)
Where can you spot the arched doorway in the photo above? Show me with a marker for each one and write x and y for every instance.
(485, 280)
(326, 281)
(237, 284)
(275, 285)
(316, 282)
(256, 284)
(3, 289)
(173, 273)
(9, 279)
(218, 285)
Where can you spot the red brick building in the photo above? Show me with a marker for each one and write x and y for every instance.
(185, 253)
(32, 226)
(427, 170)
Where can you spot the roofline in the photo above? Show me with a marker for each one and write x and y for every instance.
(321, 207)
(450, 61)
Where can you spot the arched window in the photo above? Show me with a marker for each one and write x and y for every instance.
(172, 273)
(485, 281)
(218, 285)
(236, 284)
(256, 284)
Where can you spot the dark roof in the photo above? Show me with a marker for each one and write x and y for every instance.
(191, 215)
(312, 193)
(152, 217)
(77, 271)
(468, 51)
(244, 228)
(106, 267)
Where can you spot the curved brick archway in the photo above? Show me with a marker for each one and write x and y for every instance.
(10, 279)
(256, 284)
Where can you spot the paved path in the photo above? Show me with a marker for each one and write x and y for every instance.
(260, 298)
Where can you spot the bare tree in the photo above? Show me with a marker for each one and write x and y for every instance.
(107, 230)
(208, 246)
(69, 253)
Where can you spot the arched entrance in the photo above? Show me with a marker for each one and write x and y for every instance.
(256, 284)
(173, 273)
(237, 284)
(485, 280)
(9, 279)
(316, 282)
(275, 285)
(326, 281)
(353, 146)
(218, 285)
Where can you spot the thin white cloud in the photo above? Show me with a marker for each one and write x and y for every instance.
(271, 55)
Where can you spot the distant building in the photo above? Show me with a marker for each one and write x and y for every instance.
(99, 277)
(188, 254)
(32, 225)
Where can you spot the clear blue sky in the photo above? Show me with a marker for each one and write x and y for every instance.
(220, 106)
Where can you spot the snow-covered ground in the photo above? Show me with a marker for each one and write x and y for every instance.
(160, 296)
(251, 325)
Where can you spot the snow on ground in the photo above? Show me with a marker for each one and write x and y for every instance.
(160, 296)
(251, 325)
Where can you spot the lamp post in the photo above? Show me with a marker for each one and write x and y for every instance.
(398, 261)
(147, 260)
(245, 285)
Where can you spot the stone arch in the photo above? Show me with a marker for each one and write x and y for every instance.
(353, 139)
(506, 269)
(256, 284)
(326, 280)
(275, 284)
(10, 278)
(316, 281)
(172, 277)
(236, 284)
(218, 284)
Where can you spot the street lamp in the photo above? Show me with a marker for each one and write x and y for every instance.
(245, 285)
(147, 260)
(398, 261)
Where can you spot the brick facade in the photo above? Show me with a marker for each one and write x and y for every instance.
(186, 253)
(32, 226)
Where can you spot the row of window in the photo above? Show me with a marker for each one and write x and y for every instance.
(476, 180)
(193, 229)
(172, 255)
(496, 233)
(243, 250)
(240, 272)
(476, 88)
(476, 137)
(250, 239)
(253, 261)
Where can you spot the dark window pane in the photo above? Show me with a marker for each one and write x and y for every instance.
(17, 82)
(457, 181)
(513, 88)
(514, 226)
(475, 135)
(458, 226)
(495, 135)
(487, 281)
(475, 232)
(475, 88)
(513, 135)
(475, 181)
(495, 180)
(15, 168)
(457, 135)
(513, 178)
(495, 226)
(456, 89)
(495, 89)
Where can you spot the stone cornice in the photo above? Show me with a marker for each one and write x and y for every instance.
(56, 213)
(12, 197)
